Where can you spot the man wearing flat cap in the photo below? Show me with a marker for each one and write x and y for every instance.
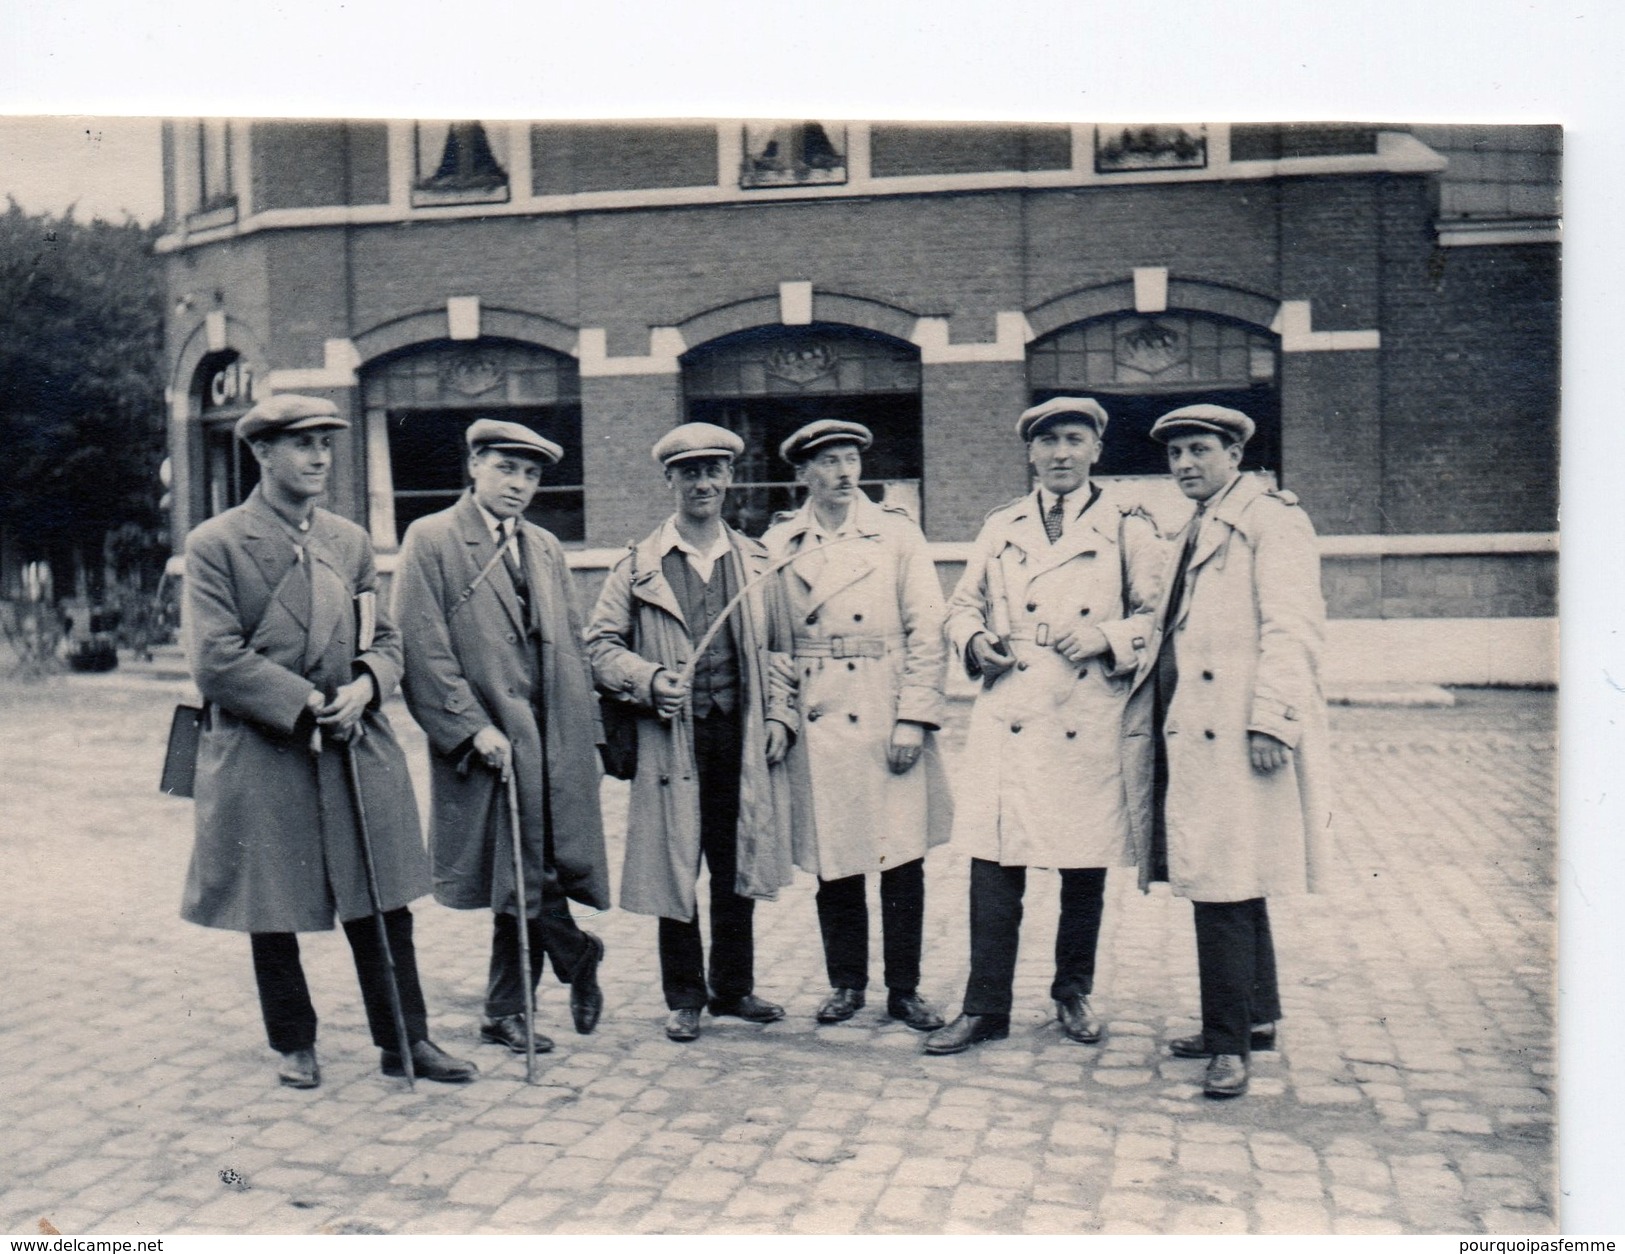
(712, 734)
(1234, 809)
(496, 676)
(294, 660)
(872, 797)
(1052, 614)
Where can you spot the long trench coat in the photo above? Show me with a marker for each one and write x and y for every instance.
(473, 661)
(867, 616)
(1247, 642)
(663, 822)
(1043, 780)
(276, 846)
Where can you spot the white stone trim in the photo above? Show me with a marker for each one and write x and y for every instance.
(1010, 338)
(795, 302)
(1480, 234)
(666, 345)
(1397, 152)
(1150, 289)
(340, 362)
(1294, 324)
(214, 330)
(1467, 544)
(463, 317)
(1363, 651)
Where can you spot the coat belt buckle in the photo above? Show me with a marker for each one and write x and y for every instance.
(837, 646)
(1041, 636)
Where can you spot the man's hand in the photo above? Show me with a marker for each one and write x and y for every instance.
(1269, 754)
(907, 741)
(495, 750)
(668, 692)
(1079, 644)
(990, 656)
(778, 741)
(338, 718)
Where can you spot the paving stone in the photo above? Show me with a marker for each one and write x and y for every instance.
(928, 1172)
(1213, 1220)
(1041, 1219)
(703, 1184)
(484, 1187)
(1297, 1218)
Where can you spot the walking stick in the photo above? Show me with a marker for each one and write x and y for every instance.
(524, 924)
(405, 1046)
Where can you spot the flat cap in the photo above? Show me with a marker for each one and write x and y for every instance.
(800, 446)
(696, 439)
(1071, 408)
(1231, 424)
(289, 412)
(511, 437)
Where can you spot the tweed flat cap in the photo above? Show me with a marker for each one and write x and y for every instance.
(800, 446)
(511, 437)
(1072, 408)
(696, 439)
(1231, 424)
(289, 412)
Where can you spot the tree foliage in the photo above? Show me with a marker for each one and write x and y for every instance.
(81, 392)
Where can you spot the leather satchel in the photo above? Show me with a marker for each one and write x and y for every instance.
(620, 717)
(180, 757)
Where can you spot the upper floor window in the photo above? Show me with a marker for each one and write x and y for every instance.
(786, 154)
(1123, 148)
(460, 163)
(214, 164)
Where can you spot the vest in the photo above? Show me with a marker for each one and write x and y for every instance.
(716, 674)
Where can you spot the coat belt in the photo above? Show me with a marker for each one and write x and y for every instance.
(847, 646)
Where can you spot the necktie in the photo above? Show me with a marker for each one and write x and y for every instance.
(1054, 519)
(1185, 551)
(516, 568)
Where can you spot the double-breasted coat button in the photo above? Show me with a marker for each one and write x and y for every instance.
(1211, 734)
(1207, 674)
(512, 638)
(851, 666)
(851, 718)
(1015, 727)
(812, 715)
(1083, 673)
(1084, 611)
(857, 618)
(1071, 733)
(1021, 666)
(665, 779)
(1032, 606)
(812, 618)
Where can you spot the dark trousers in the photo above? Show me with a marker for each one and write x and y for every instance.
(843, 918)
(717, 743)
(290, 1019)
(1235, 957)
(554, 937)
(995, 933)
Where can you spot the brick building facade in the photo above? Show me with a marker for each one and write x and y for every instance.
(1383, 301)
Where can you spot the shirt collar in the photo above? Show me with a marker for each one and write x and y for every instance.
(1076, 502)
(498, 527)
(671, 538)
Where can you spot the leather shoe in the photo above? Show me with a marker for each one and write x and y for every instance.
(914, 1011)
(683, 1024)
(509, 1030)
(965, 1031)
(586, 998)
(430, 1062)
(1078, 1020)
(1226, 1076)
(750, 1008)
(1260, 1041)
(299, 1069)
(841, 1005)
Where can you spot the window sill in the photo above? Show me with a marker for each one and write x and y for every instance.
(430, 197)
(208, 219)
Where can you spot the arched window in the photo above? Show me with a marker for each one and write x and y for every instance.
(222, 391)
(1139, 366)
(766, 382)
(426, 398)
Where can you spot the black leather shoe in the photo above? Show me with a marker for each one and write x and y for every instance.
(683, 1024)
(586, 998)
(1260, 1041)
(914, 1011)
(965, 1031)
(1078, 1020)
(509, 1030)
(430, 1062)
(841, 1005)
(1226, 1076)
(299, 1069)
(750, 1007)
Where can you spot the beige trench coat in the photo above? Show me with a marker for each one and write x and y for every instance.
(471, 662)
(867, 616)
(1043, 778)
(663, 821)
(1247, 641)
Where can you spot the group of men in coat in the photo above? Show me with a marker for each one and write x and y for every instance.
(1142, 704)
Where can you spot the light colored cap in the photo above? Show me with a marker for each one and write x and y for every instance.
(1231, 424)
(696, 439)
(800, 446)
(511, 437)
(289, 412)
(1059, 408)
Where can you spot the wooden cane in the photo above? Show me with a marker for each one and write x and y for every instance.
(524, 922)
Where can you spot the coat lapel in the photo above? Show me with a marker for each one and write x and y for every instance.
(539, 570)
(329, 594)
(844, 564)
(267, 541)
(1084, 532)
(649, 584)
(481, 548)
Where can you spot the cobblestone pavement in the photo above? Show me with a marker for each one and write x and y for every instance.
(1413, 1093)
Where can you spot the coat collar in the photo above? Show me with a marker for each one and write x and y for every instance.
(482, 547)
(824, 574)
(1225, 517)
(269, 541)
(1092, 524)
(649, 583)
